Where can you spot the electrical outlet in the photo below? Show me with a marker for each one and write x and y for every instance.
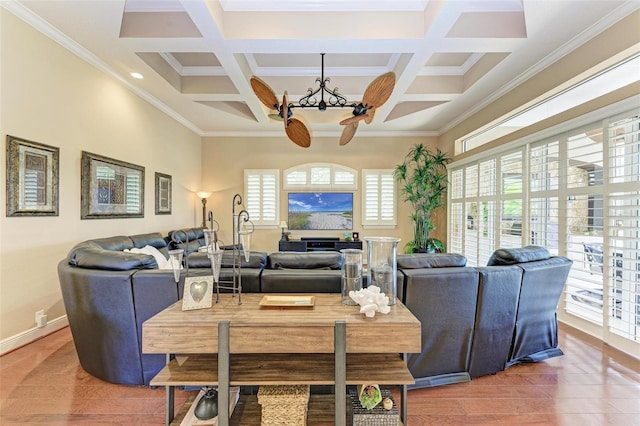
(41, 319)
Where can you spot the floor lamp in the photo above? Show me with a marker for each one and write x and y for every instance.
(204, 195)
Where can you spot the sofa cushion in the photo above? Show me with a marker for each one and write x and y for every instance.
(304, 260)
(301, 281)
(257, 260)
(118, 243)
(153, 239)
(511, 256)
(430, 260)
(178, 239)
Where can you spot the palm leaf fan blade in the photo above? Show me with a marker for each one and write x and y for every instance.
(347, 133)
(379, 90)
(369, 116)
(285, 110)
(265, 94)
(353, 119)
(298, 133)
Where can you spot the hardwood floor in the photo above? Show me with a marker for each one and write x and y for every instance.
(592, 384)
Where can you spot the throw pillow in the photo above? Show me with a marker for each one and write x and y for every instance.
(163, 262)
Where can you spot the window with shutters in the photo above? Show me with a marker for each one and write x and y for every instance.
(378, 198)
(262, 199)
(577, 193)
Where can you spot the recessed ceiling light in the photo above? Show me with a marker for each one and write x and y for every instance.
(137, 75)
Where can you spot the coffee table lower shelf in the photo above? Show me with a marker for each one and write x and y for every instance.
(247, 411)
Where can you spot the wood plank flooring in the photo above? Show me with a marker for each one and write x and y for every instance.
(592, 384)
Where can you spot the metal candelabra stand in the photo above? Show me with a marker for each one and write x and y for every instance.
(242, 230)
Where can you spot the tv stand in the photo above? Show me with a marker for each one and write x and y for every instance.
(318, 244)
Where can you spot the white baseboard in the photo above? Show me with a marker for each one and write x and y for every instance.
(26, 337)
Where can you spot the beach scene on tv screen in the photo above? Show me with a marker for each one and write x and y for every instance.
(320, 210)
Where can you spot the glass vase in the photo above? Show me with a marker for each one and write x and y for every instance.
(382, 265)
(351, 273)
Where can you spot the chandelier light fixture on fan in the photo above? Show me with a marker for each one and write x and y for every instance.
(376, 94)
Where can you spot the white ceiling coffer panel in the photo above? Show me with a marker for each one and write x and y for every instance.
(451, 59)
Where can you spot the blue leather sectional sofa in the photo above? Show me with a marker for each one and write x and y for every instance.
(475, 320)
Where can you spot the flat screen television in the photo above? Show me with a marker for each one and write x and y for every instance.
(320, 210)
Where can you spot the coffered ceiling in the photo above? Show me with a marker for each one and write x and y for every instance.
(451, 58)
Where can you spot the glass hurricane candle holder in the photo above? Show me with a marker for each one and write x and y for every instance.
(382, 265)
(351, 273)
(175, 257)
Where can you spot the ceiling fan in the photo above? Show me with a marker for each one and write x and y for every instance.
(376, 94)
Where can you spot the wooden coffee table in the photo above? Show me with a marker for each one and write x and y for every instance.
(328, 343)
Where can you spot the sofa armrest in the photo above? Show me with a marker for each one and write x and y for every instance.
(154, 239)
(91, 255)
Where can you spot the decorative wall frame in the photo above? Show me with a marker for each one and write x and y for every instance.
(32, 178)
(163, 193)
(111, 188)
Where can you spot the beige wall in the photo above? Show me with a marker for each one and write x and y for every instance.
(224, 160)
(51, 96)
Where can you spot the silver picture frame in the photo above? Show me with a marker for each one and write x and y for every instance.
(163, 193)
(32, 178)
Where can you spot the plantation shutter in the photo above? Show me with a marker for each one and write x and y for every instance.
(624, 227)
(456, 213)
(511, 185)
(262, 196)
(378, 198)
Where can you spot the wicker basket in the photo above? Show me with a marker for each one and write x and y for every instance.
(284, 405)
(377, 416)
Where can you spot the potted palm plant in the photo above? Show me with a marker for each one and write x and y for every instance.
(423, 179)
